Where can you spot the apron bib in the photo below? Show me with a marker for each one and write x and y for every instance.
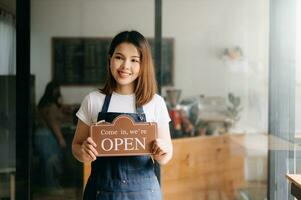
(122, 177)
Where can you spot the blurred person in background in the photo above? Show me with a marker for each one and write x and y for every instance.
(49, 141)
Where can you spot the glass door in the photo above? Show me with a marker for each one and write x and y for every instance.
(218, 98)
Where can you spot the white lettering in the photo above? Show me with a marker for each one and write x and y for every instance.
(104, 132)
(118, 142)
(140, 143)
(128, 142)
(110, 144)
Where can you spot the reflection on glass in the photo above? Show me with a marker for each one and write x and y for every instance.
(297, 146)
(7, 100)
(7, 135)
(220, 67)
(51, 159)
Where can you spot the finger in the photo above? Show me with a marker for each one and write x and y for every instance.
(86, 154)
(154, 149)
(90, 140)
(91, 148)
(156, 152)
(158, 149)
(90, 153)
(161, 153)
(153, 146)
(87, 150)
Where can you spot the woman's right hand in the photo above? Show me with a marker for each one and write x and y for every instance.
(88, 149)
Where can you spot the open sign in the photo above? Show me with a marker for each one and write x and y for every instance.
(124, 136)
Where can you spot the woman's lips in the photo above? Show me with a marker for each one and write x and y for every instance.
(124, 74)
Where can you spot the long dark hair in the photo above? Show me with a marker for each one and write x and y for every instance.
(51, 95)
(145, 84)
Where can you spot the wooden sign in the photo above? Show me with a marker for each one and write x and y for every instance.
(124, 137)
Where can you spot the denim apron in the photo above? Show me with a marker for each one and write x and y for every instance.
(122, 177)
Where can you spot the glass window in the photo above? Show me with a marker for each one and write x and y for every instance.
(298, 69)
(7, 100)
(298, 90)
(219, 98)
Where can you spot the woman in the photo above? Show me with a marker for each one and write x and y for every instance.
(130, 89)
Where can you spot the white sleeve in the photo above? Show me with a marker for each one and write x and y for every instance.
(161, 112)
(84, 113)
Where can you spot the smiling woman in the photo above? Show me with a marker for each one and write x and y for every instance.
(140, 57)
(131, 79)
(125, 67)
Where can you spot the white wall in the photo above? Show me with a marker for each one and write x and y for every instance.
(201, 30)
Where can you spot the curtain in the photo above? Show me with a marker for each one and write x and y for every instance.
(7, 43)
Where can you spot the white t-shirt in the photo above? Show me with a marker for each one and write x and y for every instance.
(155, 110)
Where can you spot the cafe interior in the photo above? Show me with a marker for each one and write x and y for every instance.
(228, 70)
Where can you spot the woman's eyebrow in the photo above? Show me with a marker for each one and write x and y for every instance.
(124, 55)
(119, 53)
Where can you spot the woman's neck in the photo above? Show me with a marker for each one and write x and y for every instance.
(124, 90)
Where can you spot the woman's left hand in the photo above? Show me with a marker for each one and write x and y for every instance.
(160, 149)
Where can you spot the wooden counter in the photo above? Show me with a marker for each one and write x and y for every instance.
(202, 167)
(295, 180)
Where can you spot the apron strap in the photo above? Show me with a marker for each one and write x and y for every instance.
(106, 104)
(140, 113)
(140, 110)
